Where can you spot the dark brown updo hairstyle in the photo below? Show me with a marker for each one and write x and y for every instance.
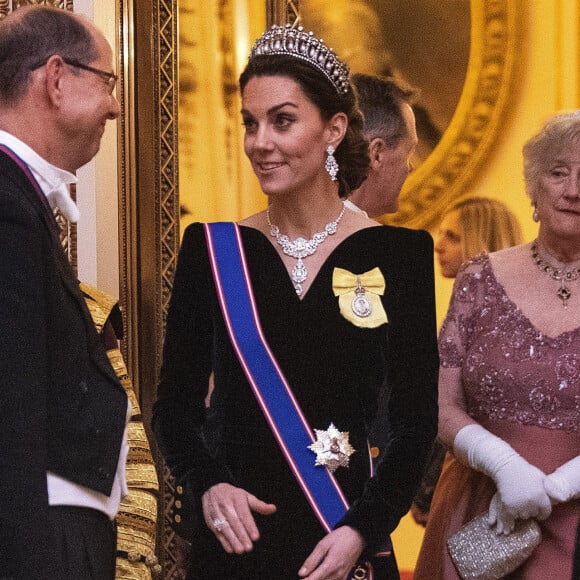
(352, 154)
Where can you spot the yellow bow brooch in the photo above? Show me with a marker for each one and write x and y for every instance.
(359, 296)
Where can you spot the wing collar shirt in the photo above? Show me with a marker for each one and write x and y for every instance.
(54, 183)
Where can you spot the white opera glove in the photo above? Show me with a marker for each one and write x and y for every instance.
(563, 484)
(500, 515)
(520, 485)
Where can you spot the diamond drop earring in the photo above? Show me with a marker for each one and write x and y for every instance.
(331, 165)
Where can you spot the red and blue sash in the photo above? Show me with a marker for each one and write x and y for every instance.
(270, 387)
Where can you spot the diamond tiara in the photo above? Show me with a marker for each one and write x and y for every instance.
(303, 45)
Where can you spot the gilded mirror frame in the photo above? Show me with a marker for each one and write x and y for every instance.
(450, 170)
(148, 170)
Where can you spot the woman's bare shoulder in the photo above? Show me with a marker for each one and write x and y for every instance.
(510, 260)
(256, 221)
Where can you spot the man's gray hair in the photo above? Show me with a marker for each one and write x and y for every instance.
(30, 36)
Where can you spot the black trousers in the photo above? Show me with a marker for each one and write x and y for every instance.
(85, 541)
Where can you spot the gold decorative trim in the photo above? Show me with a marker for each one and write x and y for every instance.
(480, 116)
(282, 12)
(6, 6)
(149, 210)
(127, 191)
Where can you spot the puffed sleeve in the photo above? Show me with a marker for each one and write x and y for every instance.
(179, 411)
(412, 368)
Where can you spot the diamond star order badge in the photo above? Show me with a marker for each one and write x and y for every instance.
(332, 448)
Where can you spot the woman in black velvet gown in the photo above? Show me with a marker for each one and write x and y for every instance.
(344, 365)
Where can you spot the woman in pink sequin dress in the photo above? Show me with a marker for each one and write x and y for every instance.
(510, 376)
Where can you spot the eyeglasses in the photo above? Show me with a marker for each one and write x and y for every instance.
(109, 77)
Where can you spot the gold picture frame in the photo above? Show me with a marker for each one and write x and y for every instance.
(480, 116)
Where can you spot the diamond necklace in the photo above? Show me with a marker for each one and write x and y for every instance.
(300, 248)
(559, 274)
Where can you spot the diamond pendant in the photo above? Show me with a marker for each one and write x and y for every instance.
(564, 294)
(299, 272)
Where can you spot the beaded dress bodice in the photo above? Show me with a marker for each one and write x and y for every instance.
(510, 370)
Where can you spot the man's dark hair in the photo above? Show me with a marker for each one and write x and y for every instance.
(380, 100)
(29, 38)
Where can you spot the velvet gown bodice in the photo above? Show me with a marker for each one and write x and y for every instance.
(339, 372)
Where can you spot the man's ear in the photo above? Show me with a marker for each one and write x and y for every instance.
(55, 69)
(377, 151)
(336, 129)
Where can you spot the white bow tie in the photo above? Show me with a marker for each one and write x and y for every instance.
(60, 198)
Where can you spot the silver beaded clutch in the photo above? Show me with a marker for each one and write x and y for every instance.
(480, 554)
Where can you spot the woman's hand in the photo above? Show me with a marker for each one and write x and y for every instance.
(334, 556)
(227, 511)
(563, 484)
(521, 495)
(520, 485)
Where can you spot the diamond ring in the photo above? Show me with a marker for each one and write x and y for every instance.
(218, 524)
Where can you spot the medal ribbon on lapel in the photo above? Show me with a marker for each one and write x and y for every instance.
(359, 297)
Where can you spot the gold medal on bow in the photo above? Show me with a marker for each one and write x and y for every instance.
(359, 297)
(332, 448)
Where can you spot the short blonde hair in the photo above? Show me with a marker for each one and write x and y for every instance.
(487, 224)
(558, 132)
